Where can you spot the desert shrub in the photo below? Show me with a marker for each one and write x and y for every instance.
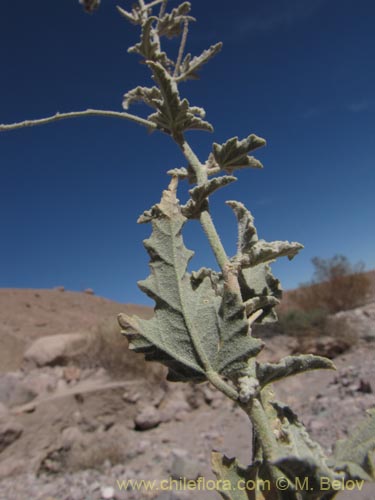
(318, 331)
(337, 285)
(108, 349)
(298, 322)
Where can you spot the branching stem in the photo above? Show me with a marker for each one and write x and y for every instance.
(77, 114)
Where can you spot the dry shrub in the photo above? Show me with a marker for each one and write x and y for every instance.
(108, 349)
(318, 332)
(337, 285)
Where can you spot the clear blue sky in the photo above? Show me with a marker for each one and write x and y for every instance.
(299, 73)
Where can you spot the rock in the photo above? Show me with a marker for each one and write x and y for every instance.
(13, 391)
(72, 373)
(184, 466)
(174, 405)
(107, 492)
(131, 397)
(70, 436)
(9, 432)
(54, 349)
(89, 291)
(148, 418)
(40, 383)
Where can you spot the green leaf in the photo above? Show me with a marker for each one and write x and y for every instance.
(190, 66)
(148, 47)
(259, 288)
(233, 478)
(299, 456)
(193, 330)
(354, 456)
(170, 25)
(150, 96)
(133, 17)
(199, 195)
(233, 154)
(174, 115)
(290, 365)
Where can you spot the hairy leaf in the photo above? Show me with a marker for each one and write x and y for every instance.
(299, 456)
(233, 478)
(133, 17)
(199, 195)
(174, 115)
(190, 66)
(171, 23)
(291, 365)
(193, 330)
(149, 96)
(148, 47)
(233, 154)
(354, 455)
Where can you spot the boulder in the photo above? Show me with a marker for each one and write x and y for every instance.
(13, 391)
(148, 418)
(55, 349)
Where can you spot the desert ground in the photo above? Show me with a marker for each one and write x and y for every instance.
(80, 414)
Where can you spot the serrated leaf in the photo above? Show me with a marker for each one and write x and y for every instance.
(354, 454)
(193, 329)
(263, 251)
(260, 284)
(190, 66)
(133, 17)
(291, 365)
(247, 233)
(149, 48)
(299, 456)
(174, 115)
(199, 195)
(149, 96)
(233, 154)
(171, 23)
(233, 478)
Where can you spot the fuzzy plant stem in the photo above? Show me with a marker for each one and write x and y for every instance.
(254, 409)
(205, 217)
(78, 114)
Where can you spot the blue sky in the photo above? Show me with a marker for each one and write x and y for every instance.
(299, 73)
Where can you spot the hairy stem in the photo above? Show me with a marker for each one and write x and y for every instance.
(205, 217)
(182, 48)
(77, 114)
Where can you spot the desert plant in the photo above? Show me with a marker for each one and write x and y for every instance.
(202, 325)
(337, 285)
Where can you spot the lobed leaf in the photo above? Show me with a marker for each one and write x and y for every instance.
(174, 115)
(149, 47)
(190, 66)
(291, 365)
(193, 330)
(354, 456)
(199, 195)
(170, 25)
(233, 154)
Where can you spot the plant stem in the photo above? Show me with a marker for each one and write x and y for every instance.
(182, 48)
(205, 217)
(77, 114)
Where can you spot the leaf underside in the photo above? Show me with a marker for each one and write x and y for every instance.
(194, 329)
